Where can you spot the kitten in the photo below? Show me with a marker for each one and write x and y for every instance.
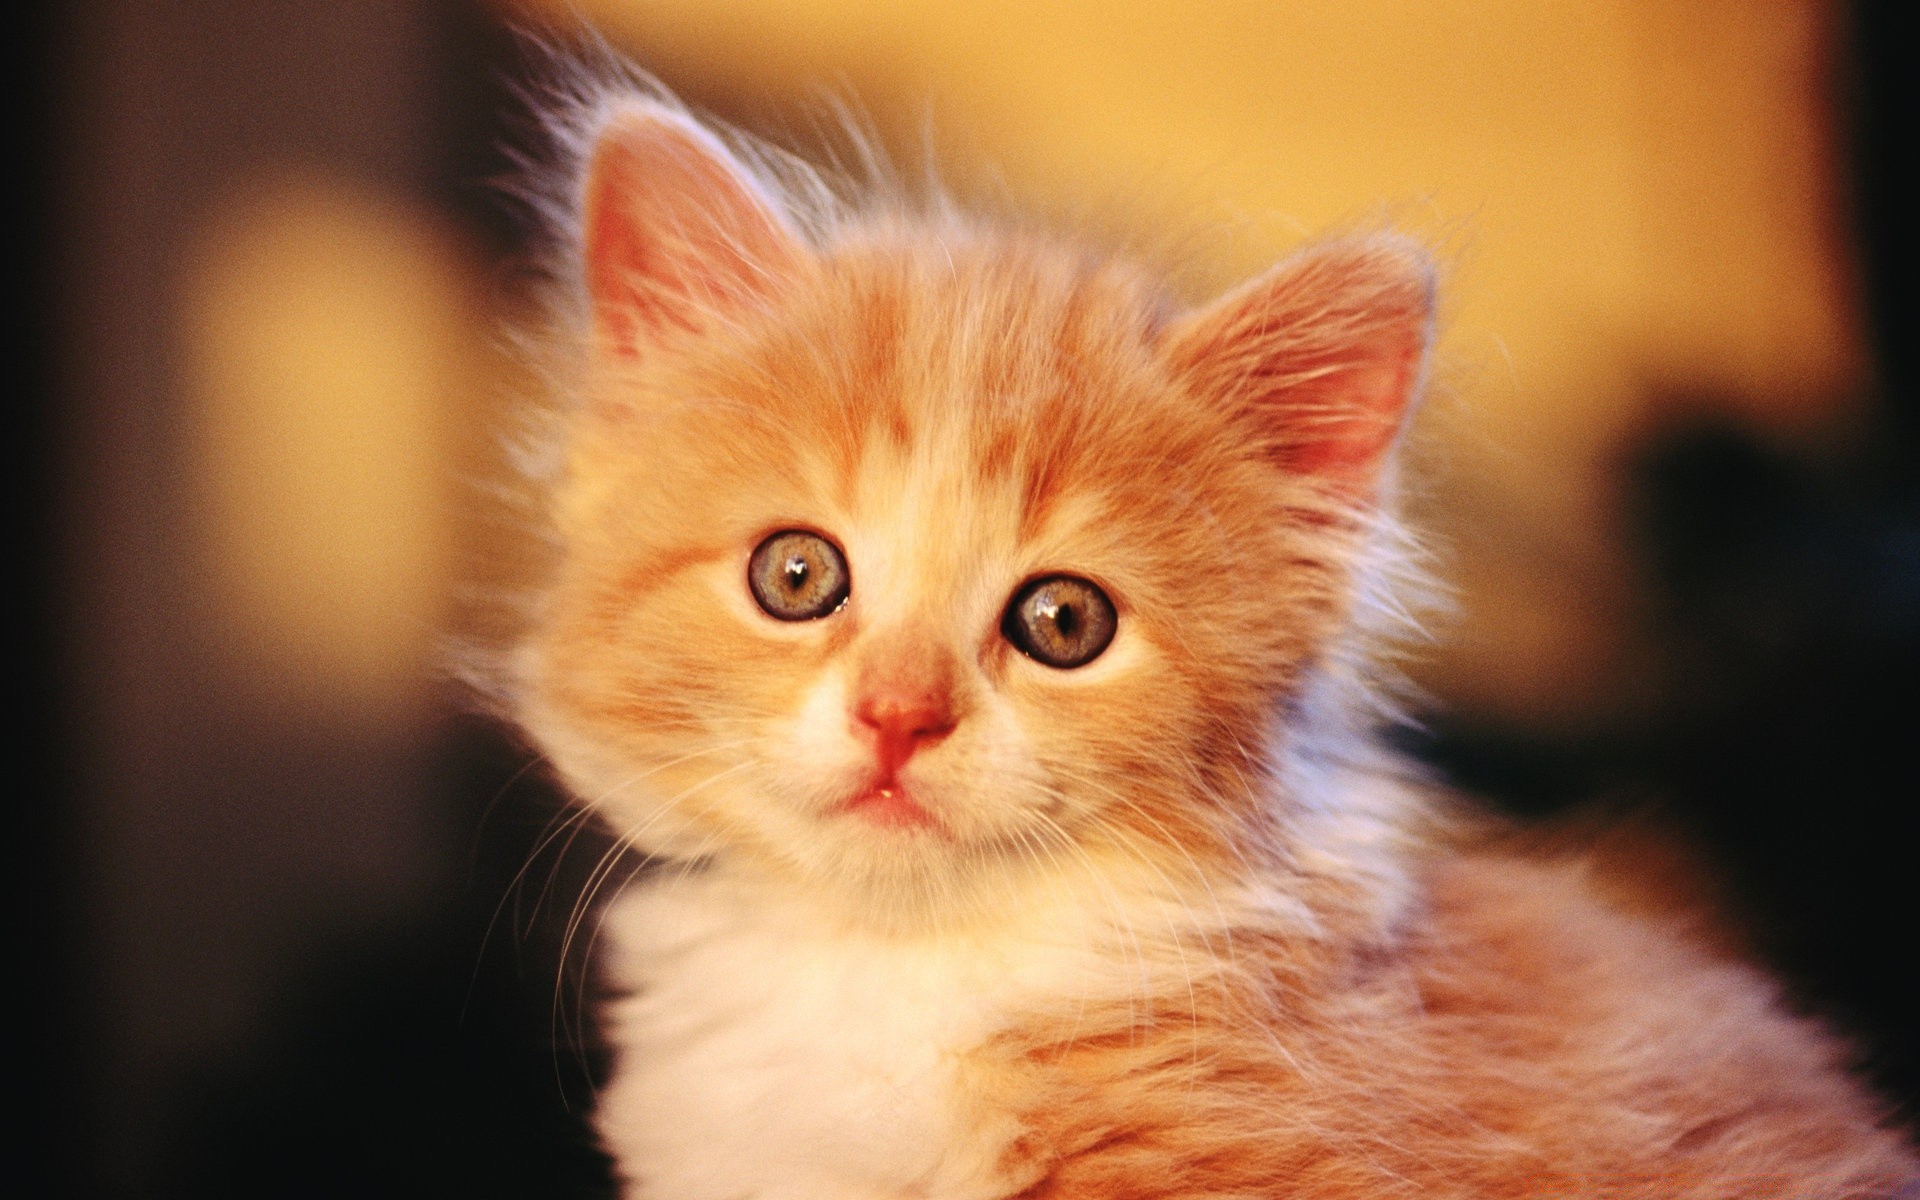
(986, 647)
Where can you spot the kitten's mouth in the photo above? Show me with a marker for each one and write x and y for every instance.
(888, 805)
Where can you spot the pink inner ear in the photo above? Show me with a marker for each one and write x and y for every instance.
(675, 230)
(1324, 354)
(1341, 425)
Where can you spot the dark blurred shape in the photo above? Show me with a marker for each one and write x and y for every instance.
(41, 894)
(1882, 50)
(447, 1059)
(1792, 612)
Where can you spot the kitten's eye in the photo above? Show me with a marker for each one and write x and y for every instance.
(1060, 620)
(798, 576)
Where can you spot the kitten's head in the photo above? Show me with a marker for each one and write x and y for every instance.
(899, 554)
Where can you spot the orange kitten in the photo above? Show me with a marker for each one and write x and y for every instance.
(985, 641)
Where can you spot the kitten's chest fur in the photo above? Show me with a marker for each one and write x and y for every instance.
(766, 1050)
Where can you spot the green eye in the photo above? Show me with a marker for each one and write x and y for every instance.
(798, 576)
(1061, 620)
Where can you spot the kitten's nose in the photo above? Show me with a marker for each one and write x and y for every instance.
(904, 703)
(901, 721)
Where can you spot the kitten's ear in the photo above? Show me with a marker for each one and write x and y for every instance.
(1323, 354)
(674, 229)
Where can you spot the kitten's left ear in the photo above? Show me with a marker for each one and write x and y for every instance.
(1323, 355)
(674, 229)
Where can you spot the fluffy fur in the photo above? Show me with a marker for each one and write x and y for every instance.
(1168, 924)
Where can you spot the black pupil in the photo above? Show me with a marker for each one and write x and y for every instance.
(796, 572)
(1063, 617)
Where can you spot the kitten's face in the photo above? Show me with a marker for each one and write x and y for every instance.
(794, 535)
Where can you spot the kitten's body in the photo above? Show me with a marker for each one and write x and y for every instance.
(1502, 1034)
(943, 920)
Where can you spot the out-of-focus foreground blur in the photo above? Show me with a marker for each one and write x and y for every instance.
(1668, 461)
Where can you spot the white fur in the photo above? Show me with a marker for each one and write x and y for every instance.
(772, 1051)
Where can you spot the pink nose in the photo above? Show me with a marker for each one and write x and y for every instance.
(902, 719)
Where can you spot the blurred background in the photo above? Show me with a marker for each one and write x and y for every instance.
(274, 931)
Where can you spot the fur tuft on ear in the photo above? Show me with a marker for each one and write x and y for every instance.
(1322, 356)
(674, 228)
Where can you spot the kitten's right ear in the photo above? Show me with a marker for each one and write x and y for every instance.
(674, 229)
(1322, 356)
